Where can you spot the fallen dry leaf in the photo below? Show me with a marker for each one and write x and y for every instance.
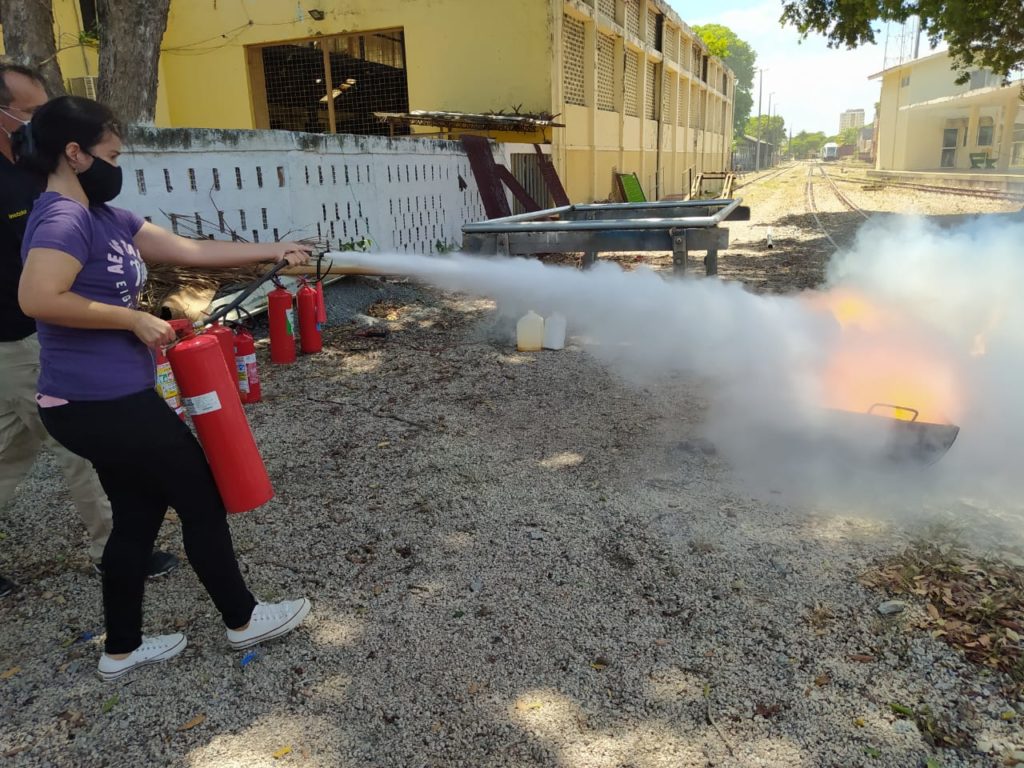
(281, 753)
(197, 720)
(863, 658)
(10, 673)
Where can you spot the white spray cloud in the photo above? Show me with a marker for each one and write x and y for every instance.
(942, 295)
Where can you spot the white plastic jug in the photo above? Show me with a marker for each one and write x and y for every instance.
(554, 331)
(530, 332)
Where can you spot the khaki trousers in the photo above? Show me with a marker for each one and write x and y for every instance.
(22, 435)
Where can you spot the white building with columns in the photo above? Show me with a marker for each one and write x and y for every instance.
(929, 123)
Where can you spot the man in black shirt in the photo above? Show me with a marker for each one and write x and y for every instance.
(22, 434)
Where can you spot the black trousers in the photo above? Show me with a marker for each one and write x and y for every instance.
(148, 460)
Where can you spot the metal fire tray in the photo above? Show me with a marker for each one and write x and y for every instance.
(679, 226)
(901, 441)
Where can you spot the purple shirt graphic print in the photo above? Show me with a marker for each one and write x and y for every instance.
(83, 363)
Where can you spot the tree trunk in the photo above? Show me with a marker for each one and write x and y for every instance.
(28, 39)
(130, 35)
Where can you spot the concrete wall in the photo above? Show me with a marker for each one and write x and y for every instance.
(401, 194)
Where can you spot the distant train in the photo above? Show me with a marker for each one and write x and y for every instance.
(830, 151)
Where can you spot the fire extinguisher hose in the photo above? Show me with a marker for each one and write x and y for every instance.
(282, 267)
(226, 309)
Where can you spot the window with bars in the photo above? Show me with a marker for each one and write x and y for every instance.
(652, 29)
(573, 79)
(649, 110)
(683, 104)
(334, 84)
(633, 17)
(694, 106)
(684, 54)
(631, 84)
(607, 7)
(606, 73)
(667, 86)
(671, 38)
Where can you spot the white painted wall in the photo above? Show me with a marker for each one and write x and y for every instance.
(402, 194)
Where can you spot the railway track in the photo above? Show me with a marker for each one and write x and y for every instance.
(767, 177)
(847, 203)
(985, 194)
(812, 206)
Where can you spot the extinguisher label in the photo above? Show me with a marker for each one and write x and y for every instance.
(200, 404)
(253, 373)
(165, 383)
(289, 315)
(243, 373)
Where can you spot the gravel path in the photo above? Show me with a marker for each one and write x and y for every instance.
(514, 560)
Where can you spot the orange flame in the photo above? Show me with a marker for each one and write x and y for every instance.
(881, 365)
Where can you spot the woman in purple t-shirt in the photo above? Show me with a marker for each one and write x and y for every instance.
(84, 268)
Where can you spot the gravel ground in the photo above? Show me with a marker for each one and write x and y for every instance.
(514, 560)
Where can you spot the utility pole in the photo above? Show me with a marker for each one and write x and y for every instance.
(757, 149)
(768, 132)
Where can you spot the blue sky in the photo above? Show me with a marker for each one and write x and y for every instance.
(812, 83)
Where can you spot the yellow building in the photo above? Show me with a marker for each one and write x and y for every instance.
(927, 123)
(634, 87)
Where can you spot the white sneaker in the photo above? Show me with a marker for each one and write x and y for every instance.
(152, 650)
(269, 620)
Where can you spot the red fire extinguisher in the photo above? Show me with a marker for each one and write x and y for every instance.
(321, 306)
(210, 395)
(282, 326)
(245, 363)
(166, 384)
(226, 339)
(183, 328)
(309, 328)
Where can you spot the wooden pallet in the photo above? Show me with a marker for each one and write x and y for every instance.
(727, 178)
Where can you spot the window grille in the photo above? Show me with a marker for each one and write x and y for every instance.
(671, 40)
(606, 73)
(652, 28)
(666, 93)
(364, 72)
(683, 105)
(631, 86)
(572, 61)
(607, 7)
(649, 90)
(633, 17)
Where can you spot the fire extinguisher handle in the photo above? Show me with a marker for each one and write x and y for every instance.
(320, 274)
(246, 292)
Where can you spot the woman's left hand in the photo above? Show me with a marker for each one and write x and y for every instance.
(293, 253)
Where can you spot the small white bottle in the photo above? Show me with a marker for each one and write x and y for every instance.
(530, 332)
(554, 331)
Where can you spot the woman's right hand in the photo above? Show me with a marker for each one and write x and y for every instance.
(151, 330)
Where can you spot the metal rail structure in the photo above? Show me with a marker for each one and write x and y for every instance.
(677, 226)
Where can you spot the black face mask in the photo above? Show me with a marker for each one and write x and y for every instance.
(101, 181)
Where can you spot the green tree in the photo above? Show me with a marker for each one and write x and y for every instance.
(848, 137)
(980, 33)
(740, 58)
(806, 144)
(773, 129)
